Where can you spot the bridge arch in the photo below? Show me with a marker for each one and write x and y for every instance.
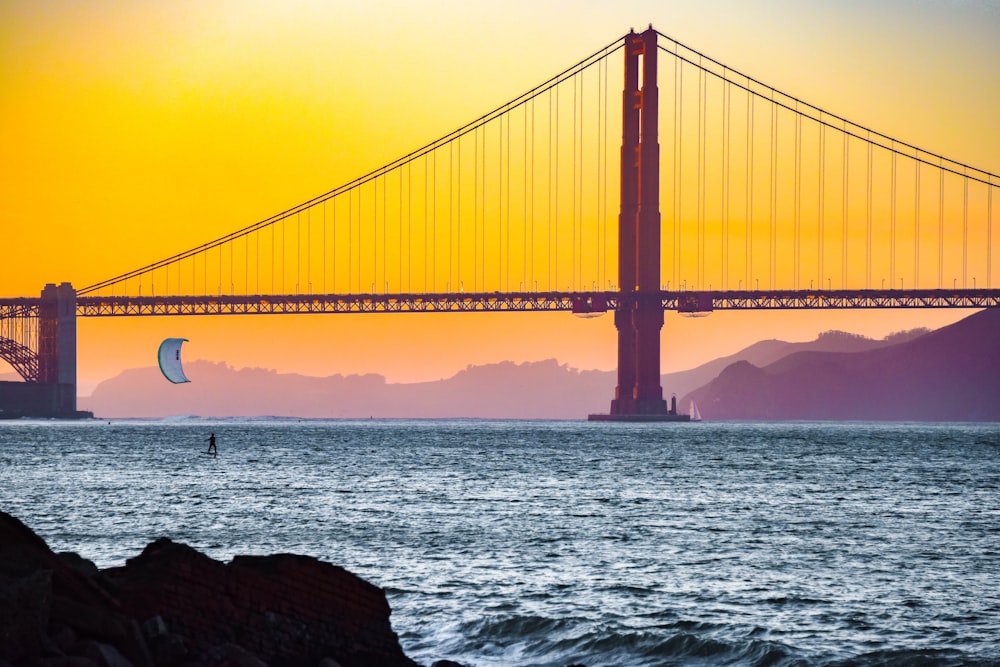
(21, 358)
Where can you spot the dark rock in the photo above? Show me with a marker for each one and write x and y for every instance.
(65, 661)
(229, 655)
(285, 609)
(25, 603)
(172, 606)
(103, 655)
(90, 621)
(79, 563)
(446, 663)
(168, 649)
(63, 637)
(154, 627)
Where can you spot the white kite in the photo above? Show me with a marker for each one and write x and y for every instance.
(170, 360)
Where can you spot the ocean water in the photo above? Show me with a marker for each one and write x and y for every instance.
(550, 543)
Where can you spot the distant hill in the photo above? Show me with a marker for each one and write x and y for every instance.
(949, 374)
(539, 390)
(768, 351)
(534, 390)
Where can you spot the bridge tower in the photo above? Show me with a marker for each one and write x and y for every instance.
(57, 346)
(639, 316)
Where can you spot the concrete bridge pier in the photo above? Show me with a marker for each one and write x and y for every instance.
(57, 346)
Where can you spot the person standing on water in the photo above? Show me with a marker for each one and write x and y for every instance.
(211, 446)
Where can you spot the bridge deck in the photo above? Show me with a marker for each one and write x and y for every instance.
(578, 302)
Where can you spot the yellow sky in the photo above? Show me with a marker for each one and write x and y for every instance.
(133, 130)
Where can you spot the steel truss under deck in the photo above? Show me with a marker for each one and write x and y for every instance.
(577, 302)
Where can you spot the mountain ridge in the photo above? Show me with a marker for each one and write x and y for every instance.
(951, 374)
(503, 390)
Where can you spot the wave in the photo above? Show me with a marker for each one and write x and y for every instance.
(539, 641)
(913, 658)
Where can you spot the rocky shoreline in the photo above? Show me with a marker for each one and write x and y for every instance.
(172, 606)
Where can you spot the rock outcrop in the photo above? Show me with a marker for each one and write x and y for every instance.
(172, 606)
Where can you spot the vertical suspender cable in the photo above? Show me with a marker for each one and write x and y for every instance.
(965, 233)
(458, 216)
(727, 123)
(399, 225)
(385, 234)
(324, 248)
(941, 228)
(507, 194)
(702, 141)
(751, 150)
(577, 269)
(602, 174)
(502, 155)
(916, 224)
(774, 190)
(868, 220)
(555, 214)
(746, 193)
(426, 216)
(600, 248)
(335, 264)
(533, 147)
(524, 205)
(475, 213)
(702, 281)
(360, 262)
(500, 191)
(821, 242)
(892, 223)
(845, 214)
(272, 259)
(434, 221)
(580, 284)
(482, 217)
(797, 213)
(678, 159)
(452, 284)
(549, 250)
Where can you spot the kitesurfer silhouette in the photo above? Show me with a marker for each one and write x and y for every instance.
(211, 446)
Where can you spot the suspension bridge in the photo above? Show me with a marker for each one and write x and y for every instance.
(699, 189)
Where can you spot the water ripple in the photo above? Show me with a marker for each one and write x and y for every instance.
(544, 544)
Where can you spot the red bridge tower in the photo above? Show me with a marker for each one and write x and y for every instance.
(639, 318)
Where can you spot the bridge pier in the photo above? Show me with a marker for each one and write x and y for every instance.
(57, 346)
(639, 317)
(47, 362)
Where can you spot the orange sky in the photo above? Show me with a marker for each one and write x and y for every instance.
(133, 130)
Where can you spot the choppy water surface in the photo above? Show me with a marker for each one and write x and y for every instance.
(546, 543)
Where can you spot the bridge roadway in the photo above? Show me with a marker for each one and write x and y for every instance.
(577, 302)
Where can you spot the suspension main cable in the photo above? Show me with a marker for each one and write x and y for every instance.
(518, 101)
(885, 141)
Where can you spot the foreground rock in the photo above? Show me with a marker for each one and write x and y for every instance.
(172, 606)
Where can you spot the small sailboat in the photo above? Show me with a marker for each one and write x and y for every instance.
(694, 413)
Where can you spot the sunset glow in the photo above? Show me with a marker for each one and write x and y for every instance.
(135, 131)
